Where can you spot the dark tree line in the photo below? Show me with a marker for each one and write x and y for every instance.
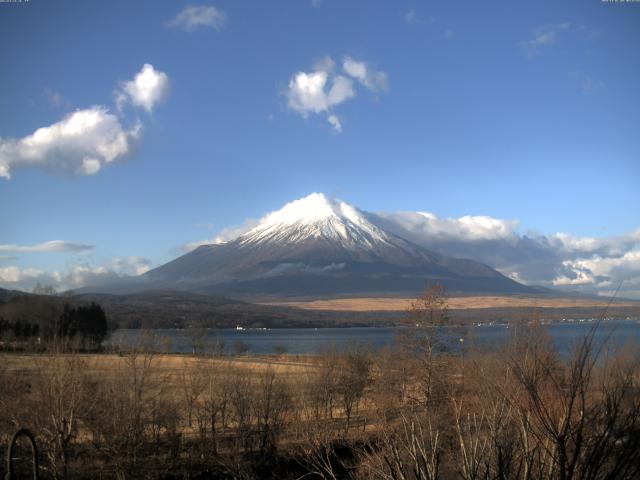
(39, 320)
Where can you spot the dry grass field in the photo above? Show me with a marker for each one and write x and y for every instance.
(455, 303)
(172, 365)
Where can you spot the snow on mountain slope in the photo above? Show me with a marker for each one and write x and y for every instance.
(318, 219)
(316, 216)
(317, 244)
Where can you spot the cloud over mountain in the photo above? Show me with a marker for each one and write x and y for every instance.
(587, 264)
(559, 260)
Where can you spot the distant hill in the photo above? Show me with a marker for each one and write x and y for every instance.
(176, 309)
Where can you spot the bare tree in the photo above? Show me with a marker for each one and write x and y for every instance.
(62, 401)
(354, 375)
(196, 334)
(425, 317)
(271, 407)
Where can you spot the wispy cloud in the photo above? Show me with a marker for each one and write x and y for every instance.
(204, 225)
(410, 16)
(589, 85)
(55, 98)
(543, 37)
(50, 246)
(374, 80)
(194, 17)
(335, 122)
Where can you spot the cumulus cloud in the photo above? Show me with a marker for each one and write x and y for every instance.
(308, 92)
(148, 88)
(85, 141)
(50, 246)
(587, 264)
(194, 17)
(78, 276)
(15, 278)
(323, 89)
(543, 37)
(80, 144)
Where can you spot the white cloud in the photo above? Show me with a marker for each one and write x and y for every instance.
(80, 144)
(25, 279)
(50, 246)
(322, 90)
(308, 93)
(602, 271)
(543, 37)
(561, 260)
(335, 123)
(194, 17)
(148, 87)
(85, 141)
(374, 80)
(420, 225)
(78, 276)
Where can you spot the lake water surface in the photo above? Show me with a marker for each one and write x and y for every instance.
(310, 340)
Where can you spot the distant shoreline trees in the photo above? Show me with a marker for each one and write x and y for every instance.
(35, 321)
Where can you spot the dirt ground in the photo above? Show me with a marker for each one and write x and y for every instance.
(455, 303)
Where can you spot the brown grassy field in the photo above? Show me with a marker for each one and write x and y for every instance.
(455, 303)
(166, 364)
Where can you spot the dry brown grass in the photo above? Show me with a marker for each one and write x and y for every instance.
(455, 303)
(167, 364)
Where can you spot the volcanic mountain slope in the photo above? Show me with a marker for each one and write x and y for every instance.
(319, 246)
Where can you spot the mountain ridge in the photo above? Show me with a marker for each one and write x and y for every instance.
(323, 246)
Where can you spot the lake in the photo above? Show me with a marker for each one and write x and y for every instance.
(311, 340)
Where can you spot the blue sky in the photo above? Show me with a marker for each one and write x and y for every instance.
(524, 112)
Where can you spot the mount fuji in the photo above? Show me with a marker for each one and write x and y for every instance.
(318, 246)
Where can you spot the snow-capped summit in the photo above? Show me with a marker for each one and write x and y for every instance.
(321, 246)
(318, 217)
